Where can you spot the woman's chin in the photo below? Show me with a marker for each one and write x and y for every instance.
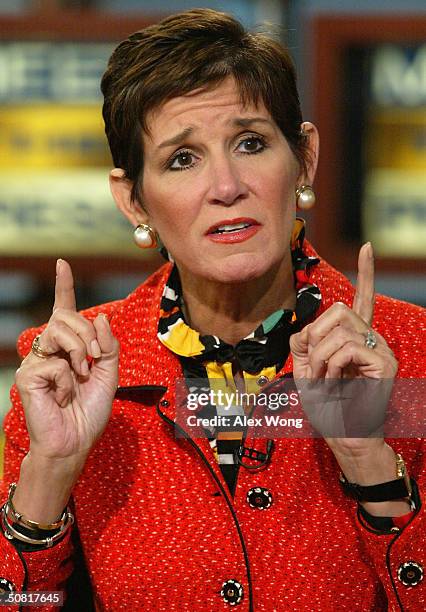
(238, 268)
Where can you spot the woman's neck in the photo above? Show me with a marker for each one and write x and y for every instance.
(233, 310)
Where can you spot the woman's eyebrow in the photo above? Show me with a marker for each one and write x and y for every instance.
(248, 121)
(239, 122)
(175, 140)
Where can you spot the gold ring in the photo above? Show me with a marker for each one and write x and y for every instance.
(37, 350)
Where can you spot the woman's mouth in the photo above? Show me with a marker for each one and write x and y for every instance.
(233, 230)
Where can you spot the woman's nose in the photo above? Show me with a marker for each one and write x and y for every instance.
(226, 183)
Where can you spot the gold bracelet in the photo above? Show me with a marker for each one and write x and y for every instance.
(11, 533)
(10, 518)
(24, 522)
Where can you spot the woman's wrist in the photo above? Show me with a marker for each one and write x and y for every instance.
(369, 467)
(44, 487)
(372, 468)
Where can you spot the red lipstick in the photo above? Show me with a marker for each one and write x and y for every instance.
(231, 231)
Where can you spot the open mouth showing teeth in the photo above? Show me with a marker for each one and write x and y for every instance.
(231, 228)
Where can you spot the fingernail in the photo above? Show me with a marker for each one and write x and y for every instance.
(84, 369)
(95, 349)
(58, 265)
(370, 252)
(103, 317)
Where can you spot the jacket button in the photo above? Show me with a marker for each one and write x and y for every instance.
(232, 592)
(410, 573)
(6, 586)
(259, 498)
(164, 403)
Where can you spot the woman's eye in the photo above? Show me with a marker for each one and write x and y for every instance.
(252, 144)
(181, 161)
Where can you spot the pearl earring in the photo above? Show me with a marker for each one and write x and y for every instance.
(145, 237)
(305, 197)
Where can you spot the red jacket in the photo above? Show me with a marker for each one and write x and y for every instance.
(159, 531)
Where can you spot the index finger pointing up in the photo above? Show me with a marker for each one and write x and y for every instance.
(64, 287)
(363, 304)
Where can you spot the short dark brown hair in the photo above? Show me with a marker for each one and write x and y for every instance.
(195, 49)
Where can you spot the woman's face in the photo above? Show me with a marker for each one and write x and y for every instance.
(219, 185)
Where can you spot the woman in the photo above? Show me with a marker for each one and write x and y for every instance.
(211, 157)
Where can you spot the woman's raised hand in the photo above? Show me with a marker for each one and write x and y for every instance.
(67, 395)
(333, 348)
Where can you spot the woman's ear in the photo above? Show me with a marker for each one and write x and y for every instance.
(121, 189)
(312, 136)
